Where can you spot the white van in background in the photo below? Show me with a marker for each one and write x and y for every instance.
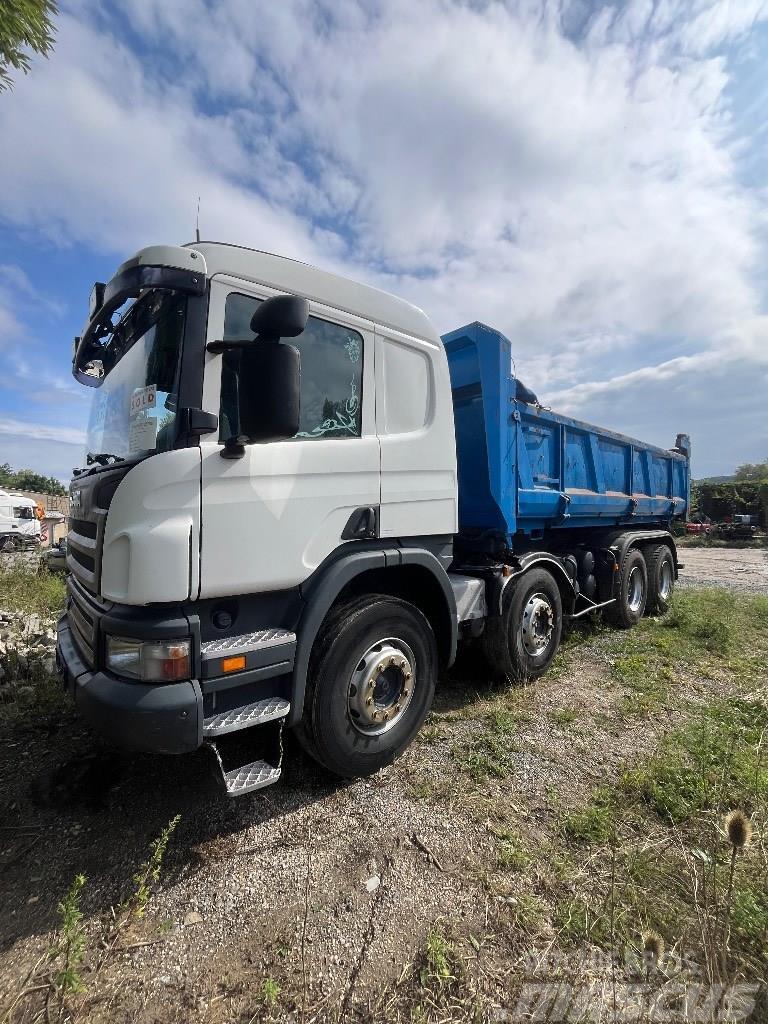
(19, 525)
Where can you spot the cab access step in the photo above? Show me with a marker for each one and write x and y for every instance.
(235, 736)
(243, 720)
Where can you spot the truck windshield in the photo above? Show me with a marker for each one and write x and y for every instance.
(134, 408)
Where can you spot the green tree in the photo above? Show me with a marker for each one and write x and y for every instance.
(27, 480)
(720, 500)
(25, 25)
(753, 471)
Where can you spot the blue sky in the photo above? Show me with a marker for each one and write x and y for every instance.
(587, 177)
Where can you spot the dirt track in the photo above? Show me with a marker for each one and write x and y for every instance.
(744, 569)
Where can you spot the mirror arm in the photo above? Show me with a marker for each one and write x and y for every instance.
(238, 343)
(227, 346)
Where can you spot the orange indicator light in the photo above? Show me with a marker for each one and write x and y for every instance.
(233, 664)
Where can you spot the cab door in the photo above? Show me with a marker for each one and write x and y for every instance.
(270, 518)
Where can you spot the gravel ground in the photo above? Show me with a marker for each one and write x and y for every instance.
(329, 887)
(744, 569)
(336, 882)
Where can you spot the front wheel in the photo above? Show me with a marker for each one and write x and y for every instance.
(370, 685)
(521, 642)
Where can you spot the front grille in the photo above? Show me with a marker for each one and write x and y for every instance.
(83, 624)
(87, 561)
(84, 528)
(85, 539)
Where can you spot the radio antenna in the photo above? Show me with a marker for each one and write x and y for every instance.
(197, 221)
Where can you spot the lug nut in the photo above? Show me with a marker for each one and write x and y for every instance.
(406, 692)
(407, 675)
(398, 707)
(369, 701)
(391, 661)
(386, 716)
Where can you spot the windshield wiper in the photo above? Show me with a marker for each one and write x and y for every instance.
(103, 458)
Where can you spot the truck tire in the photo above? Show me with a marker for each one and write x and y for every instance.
(632, 595)
(661, 577)
(370, 684)
(521, 642)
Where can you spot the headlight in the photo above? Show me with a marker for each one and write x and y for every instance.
(152, 661)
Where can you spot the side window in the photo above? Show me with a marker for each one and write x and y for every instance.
(331, 374)
(406, 376)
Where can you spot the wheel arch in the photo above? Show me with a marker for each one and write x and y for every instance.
(624, 541)
(399, 572)
(544, 560)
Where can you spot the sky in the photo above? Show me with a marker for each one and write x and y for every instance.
(589, 178)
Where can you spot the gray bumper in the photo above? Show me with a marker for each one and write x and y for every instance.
(165, 717)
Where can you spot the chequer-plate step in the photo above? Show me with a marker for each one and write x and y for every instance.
(249, 777)
(260, 711)
(258, 640)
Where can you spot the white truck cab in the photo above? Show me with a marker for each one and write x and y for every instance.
(210, 557)
(19, 524)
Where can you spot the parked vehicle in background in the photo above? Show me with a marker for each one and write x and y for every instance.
(298, 500)
(55, 558)
(19, 522)
(737, 527)
(699, 525)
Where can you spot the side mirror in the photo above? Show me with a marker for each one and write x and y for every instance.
(282, 316)
(269, 382)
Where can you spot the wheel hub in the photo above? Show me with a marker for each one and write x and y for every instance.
(665, 584)
(635, 589)
(381, 687)
(538, 624)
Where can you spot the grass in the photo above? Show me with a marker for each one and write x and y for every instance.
(693, 540)
(664, 817)
(39, 699)
(646, 850)
(707, 633)
(23, 589)
(59, 982)
(564, 716)
(714, 762)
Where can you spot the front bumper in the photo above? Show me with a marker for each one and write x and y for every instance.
(162, 717)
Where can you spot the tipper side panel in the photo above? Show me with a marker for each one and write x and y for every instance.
(524, 468)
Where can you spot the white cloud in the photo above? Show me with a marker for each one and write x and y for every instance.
(567, 172)
(42, 432)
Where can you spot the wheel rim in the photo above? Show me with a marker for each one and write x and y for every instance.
(665, 582)
(635, 590)
(538, 624)
(381, 687)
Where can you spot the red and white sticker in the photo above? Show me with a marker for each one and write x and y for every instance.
(143, 399)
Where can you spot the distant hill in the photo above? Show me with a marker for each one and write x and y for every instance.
(716, 480)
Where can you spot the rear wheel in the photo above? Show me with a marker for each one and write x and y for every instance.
(521, 643)
(370, 685)
(632, 595)
(661, 577)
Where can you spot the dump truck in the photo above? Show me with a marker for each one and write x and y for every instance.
(298, 500)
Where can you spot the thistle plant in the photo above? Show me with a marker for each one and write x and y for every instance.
(738, 829)
(652, 948)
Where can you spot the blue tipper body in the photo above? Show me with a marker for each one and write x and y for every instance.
(525, 469)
